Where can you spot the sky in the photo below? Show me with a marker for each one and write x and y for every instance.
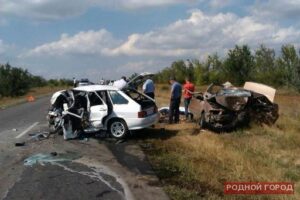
(107, 39)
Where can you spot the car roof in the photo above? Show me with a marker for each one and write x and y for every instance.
(91, 88)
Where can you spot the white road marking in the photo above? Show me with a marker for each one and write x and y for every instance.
(27, 130)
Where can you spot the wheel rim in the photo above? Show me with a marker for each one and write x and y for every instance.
(117, 129)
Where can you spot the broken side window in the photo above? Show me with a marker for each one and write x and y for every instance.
(80, 100)
(94, 99)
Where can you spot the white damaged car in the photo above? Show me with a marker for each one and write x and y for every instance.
(102, 107)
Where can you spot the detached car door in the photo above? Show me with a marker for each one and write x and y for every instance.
(98, 109)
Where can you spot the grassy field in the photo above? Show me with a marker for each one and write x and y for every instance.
(194, 164)
(35, 92)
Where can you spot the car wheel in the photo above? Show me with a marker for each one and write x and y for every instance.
(118, 128)
(202, 122)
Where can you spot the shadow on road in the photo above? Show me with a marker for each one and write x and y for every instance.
(128, 153)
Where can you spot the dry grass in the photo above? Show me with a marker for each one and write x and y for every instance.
(36, 92)
(194, 164)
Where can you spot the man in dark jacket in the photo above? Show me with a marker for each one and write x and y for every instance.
(176, 91)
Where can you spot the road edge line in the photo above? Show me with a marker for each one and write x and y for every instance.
(27, 130)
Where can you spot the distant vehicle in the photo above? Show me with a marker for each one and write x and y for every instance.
(226, 108)
(102, 107)
(84, 82)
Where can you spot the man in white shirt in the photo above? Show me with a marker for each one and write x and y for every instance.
(148, 88)
(120, 83)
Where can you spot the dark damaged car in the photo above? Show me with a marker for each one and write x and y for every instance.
(223, 108)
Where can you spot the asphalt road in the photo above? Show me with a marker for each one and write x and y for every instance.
(51, 168)
(23, 115)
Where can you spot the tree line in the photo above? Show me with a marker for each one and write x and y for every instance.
(17, 81)
(241, 65)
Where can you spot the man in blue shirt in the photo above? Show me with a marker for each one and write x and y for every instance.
(176, 91)
(148, 88)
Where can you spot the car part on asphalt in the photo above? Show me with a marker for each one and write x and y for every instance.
(224, 108)
(19, 144)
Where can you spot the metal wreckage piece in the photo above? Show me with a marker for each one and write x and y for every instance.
(223, 108)
(65, 116)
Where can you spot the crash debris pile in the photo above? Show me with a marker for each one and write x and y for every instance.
(225, 107)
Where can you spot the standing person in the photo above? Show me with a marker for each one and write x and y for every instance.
(74, 82)
(149, 88)
(188, 90)
(176, 90)
(120, 83)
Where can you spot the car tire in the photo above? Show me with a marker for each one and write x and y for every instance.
(118, 128)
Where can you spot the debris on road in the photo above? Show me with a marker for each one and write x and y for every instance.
(19, 144)
(39, 136)
(35, 137)
(53, 153)
(164, 114)
(30, 98)
(42, 158)
(14, 129)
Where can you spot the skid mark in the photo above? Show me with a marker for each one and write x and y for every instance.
(98, 167)
(98, 171)
(92, 175)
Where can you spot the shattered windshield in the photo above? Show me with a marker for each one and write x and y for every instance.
(234, 92)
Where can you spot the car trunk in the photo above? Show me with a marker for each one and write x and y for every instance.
(148, 106)
(141, 99)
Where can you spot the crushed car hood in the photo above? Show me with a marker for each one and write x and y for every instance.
(233, 99)
(259, 88)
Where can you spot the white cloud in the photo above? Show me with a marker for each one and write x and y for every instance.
(195, 37)
(57, 9)
(201, 34)
(198, 35)
(135, 4)
(89, 42)
(276, 9)
(44, 9)
(142, 66)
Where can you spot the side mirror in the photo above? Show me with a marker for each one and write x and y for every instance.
(65, 106)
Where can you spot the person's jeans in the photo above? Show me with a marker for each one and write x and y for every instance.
(174, 110)
(187, 102)
(150, 94)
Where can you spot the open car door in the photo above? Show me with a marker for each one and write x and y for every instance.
(98, 109)
(138, 80)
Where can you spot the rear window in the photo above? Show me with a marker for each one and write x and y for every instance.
(116, 98)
